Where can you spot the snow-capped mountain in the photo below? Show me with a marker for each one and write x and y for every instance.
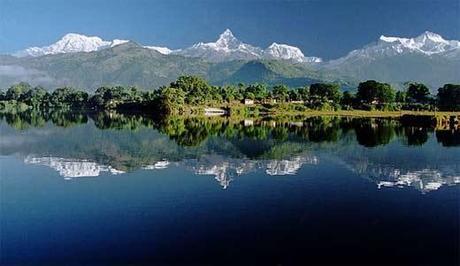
(228, 48)
(426, 44)
(71, 43)
(286, 52)
(427, 58)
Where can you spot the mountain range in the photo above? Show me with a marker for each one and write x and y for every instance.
(226, 48)
(427, 58)
(88, 62)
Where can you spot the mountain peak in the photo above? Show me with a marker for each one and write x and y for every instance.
(426, 43)
(75, 39)
(390, 39)
(228, 47)
(71, 43)
(430, 33)
(284, 51)
(227, 32)
(227, 39)
(425, 36)
(287, 52)
(427, 47)
(274, 44)
(431, 36)
(72, 36)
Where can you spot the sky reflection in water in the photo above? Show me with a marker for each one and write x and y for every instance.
(104, 189)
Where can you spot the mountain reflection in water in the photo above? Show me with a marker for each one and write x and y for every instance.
(390, 152)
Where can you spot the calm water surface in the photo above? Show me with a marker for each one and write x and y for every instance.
(104, 189)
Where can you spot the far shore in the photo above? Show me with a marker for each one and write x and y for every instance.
(363, 113)
(275, 112)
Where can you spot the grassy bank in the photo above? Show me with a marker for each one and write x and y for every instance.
(363, 113)
(292, 110)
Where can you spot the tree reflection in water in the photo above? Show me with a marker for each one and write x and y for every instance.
(192, 131)
(225, 147)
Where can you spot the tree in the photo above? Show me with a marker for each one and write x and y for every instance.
(196, 89)
(135, 95)
(373, 92)
(250, 95)
(294, 95)
(303, 93)
(171, 100)
(449, 97)
(35, 97)
(15, 92)
(111, 97)
(68, 98)
(259, 91)
(325, 92)
(280, 93)
(348, 99)
(229, 93)
(418, 93)
(400, 97)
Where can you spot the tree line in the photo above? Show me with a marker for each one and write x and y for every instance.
(195, 91)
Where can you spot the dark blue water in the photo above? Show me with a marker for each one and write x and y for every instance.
(82, 195)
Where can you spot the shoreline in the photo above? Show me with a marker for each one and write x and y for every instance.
(275, 112)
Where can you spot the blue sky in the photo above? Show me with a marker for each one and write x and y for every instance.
(327, 28)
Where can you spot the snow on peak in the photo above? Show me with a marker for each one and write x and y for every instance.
(391, 39)
(284, 51)
(116, 42)
(228, 40)
(431, 36)
(160, 49)
(227, 33)
(287, 52)
(71, 43)
(427, 36)
(426, 43)
(228, 47)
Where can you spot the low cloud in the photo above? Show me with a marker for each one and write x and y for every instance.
(10, 74)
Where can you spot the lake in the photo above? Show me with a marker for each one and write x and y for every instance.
(108, 188)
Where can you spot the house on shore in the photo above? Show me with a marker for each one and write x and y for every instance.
(248, 101)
